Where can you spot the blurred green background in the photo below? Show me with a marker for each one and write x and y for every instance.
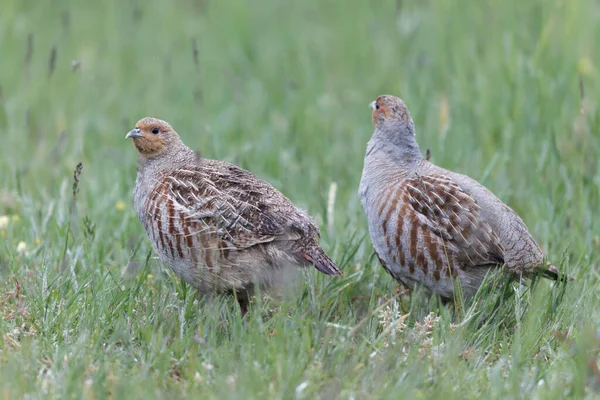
(506, 92)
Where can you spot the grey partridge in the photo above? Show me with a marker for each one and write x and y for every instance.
(216, 225)
(431, 226)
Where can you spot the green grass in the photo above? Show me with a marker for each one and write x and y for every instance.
(282, 88)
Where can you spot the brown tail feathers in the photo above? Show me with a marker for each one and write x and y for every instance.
(551, 272)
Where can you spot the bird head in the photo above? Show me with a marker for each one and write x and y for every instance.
(390, 108)
(151, 136)
(394, 129)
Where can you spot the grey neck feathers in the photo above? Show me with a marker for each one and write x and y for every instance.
(176, 154)
(394, 141)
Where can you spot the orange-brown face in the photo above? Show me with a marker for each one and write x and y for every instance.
(150, 136)
(389, 107)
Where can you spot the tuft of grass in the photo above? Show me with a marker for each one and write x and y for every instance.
(502, 91)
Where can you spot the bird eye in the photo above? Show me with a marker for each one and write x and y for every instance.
(377, 106)
(155, 131)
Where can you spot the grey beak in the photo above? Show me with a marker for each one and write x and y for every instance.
(134, 133)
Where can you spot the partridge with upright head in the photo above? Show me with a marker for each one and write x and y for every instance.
(217, 226)
(431, 226)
